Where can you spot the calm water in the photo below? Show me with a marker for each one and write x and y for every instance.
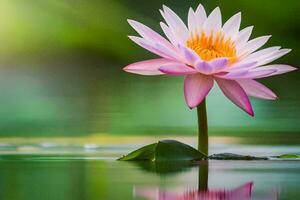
(70, 172)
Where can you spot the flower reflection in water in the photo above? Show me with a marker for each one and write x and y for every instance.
(243, 192)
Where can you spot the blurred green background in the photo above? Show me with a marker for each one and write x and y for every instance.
(61, 71)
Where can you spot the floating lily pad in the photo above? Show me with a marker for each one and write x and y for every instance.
(165, 150)
(144, 153)
(232, 156)
(288, 156)
(172, 150)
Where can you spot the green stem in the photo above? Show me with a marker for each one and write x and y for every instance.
(203, 176)
(202, 128)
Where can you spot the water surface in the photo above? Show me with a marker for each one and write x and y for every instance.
(53, 171)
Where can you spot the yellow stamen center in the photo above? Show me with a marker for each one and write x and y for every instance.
(211, 47)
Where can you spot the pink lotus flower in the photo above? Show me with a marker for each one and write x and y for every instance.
(205, 52)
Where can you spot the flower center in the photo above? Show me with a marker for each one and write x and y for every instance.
(211, 47)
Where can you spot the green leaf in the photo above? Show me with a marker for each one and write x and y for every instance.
(288, 156)
(145, 153)
(165, 150)
(231, 156)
